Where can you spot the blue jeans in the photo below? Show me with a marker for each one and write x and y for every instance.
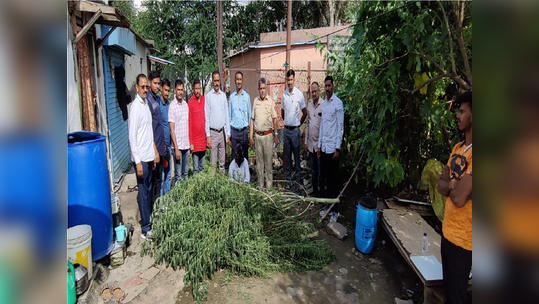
(166, 174)
(198, 161)
(318, 189)
(291, 145)
(181, 167)
(144, 196)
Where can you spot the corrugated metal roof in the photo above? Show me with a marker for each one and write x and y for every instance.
(160, 60)
(265, 46)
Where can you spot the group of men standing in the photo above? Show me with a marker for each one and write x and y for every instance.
(162, 131)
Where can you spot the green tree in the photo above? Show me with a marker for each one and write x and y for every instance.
(404, 62)
(183, 32)
(126, 8)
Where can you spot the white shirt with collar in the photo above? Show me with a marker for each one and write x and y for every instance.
(239, 173)
(216, 112)
(292, 105)
(332, 125)
(140, 131)
(312, 131)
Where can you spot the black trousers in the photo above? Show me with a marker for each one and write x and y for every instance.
(329, 175)
(157, 179)
(241, 138)
(456, 265)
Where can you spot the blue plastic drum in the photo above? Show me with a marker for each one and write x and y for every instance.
(367, 216)
(88, 189)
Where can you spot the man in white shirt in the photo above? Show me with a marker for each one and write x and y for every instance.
(217, 122)
(293, 104)
(239, 167)
(329, 142)
(143, 151)
(314, 117)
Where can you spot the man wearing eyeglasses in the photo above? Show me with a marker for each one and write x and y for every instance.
(143, 151)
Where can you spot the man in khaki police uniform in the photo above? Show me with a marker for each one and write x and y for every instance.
(264, 125)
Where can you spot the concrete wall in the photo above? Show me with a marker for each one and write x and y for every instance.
(135, 65)
(299, 57)
(268, 62)
(249, 64)
(74, 115)
(303, 35)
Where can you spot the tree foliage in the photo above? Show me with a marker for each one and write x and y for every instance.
(126, 8)
(185, 31)
(404, 62)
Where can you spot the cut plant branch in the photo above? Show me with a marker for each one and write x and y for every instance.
(209, 223)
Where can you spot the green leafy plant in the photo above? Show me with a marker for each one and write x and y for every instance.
(209, 223)
(401, 67)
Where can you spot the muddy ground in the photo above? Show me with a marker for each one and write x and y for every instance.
(378, 277)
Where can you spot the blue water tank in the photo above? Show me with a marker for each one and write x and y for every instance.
(367, 215)
(88, 189)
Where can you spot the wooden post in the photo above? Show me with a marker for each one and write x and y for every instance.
(220, 40)
(85, 78)
(308, 81)
(288, 35)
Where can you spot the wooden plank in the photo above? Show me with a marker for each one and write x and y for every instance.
(406, 228)
(433, 295)
(87, 6)
(421, 210)
(102, 40)
(87, 26)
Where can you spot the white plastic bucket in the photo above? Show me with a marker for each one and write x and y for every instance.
(79, 246)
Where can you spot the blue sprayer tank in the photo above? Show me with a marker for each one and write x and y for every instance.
(88, 189)
(367, 215)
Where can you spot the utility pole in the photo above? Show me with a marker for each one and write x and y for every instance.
(288, 35)
(220, 41)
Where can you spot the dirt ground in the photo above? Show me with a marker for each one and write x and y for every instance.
(353, 278)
